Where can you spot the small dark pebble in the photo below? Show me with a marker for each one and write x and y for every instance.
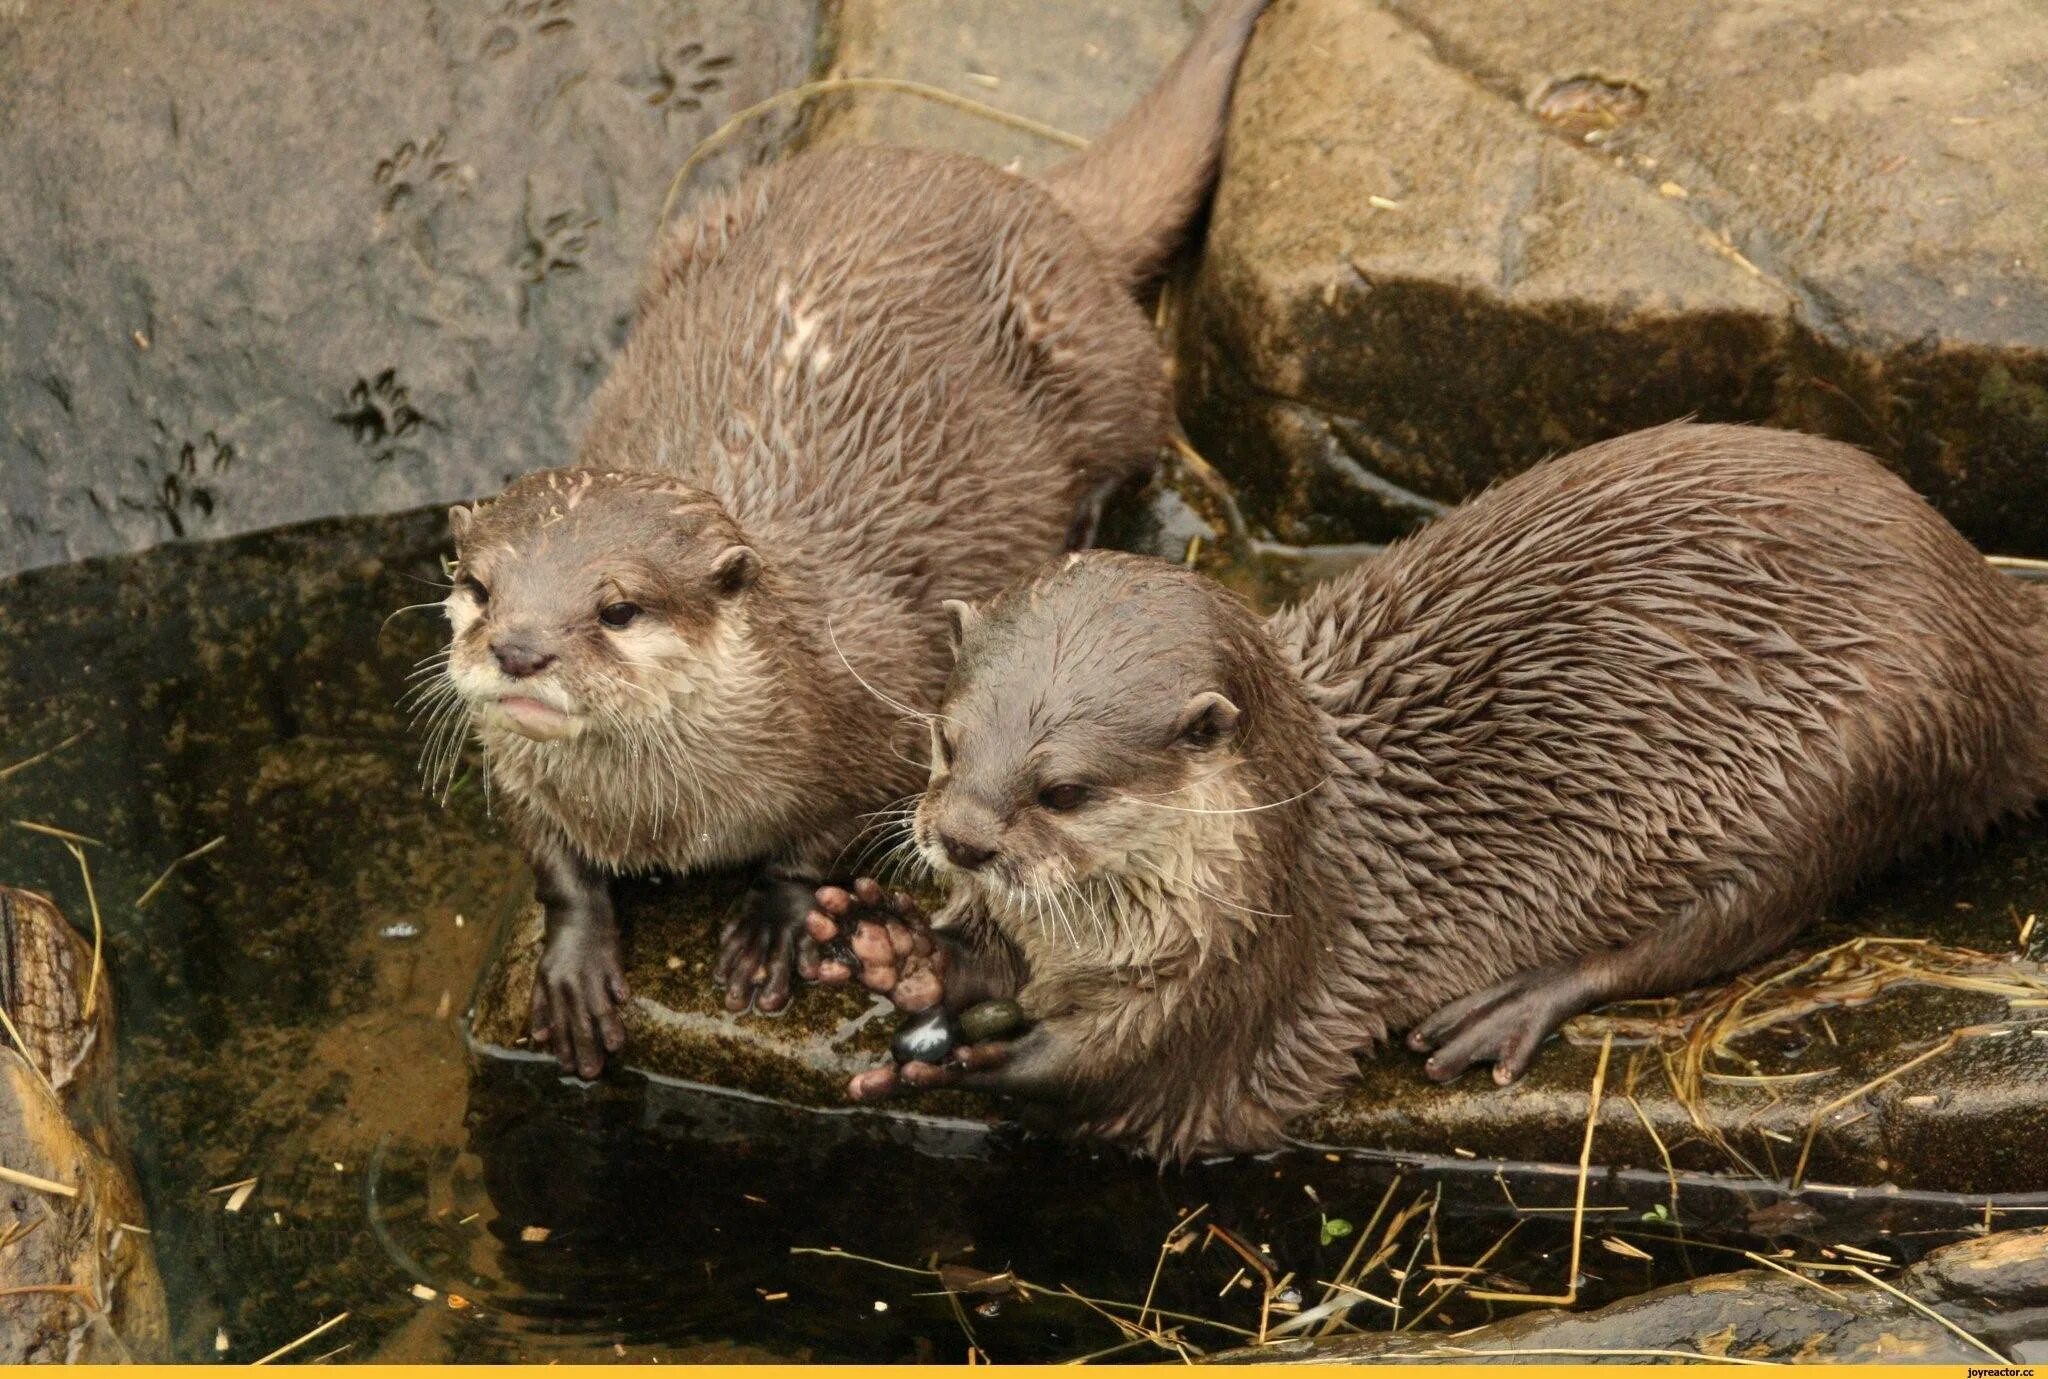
(925, 1038)
(989, 1020)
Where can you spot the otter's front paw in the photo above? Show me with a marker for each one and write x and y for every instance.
(958, 1069)
(577, 991)
(880, 939)
(1503, 1025)
(757, 953)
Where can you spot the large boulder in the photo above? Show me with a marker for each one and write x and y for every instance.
(1455, 237)
(266, 263)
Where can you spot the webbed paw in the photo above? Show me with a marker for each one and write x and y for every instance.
(1502, 1025)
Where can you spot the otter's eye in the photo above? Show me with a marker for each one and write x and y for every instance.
(618, 614)
(476, 589)
(1063, 799)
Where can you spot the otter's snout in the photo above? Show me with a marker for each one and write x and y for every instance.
(965, 830)
(968, 856)
(520, 658)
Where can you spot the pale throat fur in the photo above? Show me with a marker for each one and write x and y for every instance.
(677, 789)
(1135, 925)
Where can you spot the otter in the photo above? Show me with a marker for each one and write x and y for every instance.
(1617, 727)
(864, 381)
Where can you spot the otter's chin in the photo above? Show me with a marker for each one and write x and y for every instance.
(532, 719)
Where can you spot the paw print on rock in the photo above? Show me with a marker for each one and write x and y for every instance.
(177, 474)
(411, 166)
(556, 245)
(535, 18)
(380, 414)
(549, 245)
(683, 78)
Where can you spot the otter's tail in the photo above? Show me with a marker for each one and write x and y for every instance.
(1135, 189)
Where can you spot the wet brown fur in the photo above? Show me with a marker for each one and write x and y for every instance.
(1626, 723)
(895, 376)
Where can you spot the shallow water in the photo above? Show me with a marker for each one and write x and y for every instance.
(274, 1025)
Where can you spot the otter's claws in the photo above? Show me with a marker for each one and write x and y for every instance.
(578, 990)
(757, 953)
(1503, 1025)
(959, 1069)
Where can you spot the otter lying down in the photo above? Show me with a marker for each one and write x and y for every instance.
(1619, 726)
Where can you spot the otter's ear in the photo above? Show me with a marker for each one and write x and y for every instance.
(1207, 719)
(960, 620)
(736, 568)
(459, 518)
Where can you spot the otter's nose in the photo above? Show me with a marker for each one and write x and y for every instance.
(966, 856)
(519, 660)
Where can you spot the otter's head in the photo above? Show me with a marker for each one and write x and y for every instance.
(1094, 718)
(590, 601)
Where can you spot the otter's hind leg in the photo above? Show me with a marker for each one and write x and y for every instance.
(1088, 517)
(1505, 1023)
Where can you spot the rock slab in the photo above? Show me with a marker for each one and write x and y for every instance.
(1967, 1119)
(266, 263)
(1079, 75)
(1455, 237)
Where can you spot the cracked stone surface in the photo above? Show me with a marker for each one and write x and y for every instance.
(261, 264)
(1454, 238)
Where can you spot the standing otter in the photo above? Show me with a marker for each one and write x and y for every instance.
(861, 383)
(1616, 727)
